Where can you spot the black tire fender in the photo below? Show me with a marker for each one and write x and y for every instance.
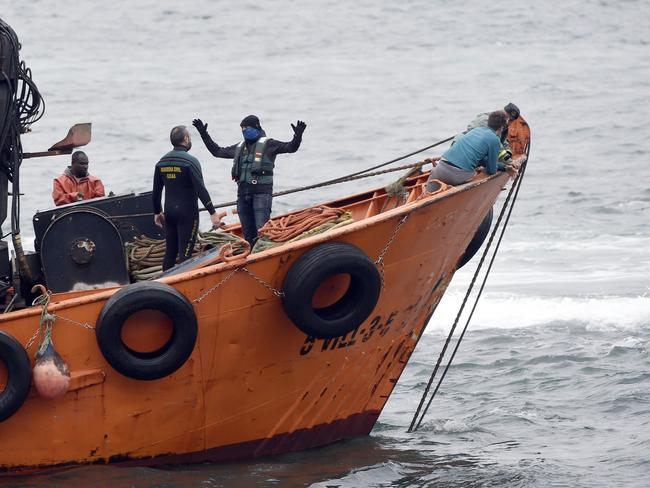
(310, 271)
(147, 295)
(477, 241)
(19, 375)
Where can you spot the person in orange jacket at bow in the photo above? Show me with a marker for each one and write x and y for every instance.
(75, 183)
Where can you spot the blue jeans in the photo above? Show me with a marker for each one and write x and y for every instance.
(254, 211)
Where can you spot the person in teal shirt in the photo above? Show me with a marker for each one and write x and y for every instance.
(512, 112)
(478, 147)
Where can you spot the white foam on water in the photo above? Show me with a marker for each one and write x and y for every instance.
(630, 342)
(567, 240)
(506, 311)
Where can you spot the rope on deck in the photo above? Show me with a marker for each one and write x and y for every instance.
(300, 225)
(145, 255)
(316, 220)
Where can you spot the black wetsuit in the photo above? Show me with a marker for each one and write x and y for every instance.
(180, 174)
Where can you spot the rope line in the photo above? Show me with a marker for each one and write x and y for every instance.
(345, 179)
(469, 318)
(514, 191)
(352, 176)
(47, 318)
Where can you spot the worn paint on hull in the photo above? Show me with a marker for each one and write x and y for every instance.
(254, 385)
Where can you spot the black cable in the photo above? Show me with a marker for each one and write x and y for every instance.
(513, 190)
(391, 161)
(24, 106)
(462, 335)
(340, 179)
(413, 425)
(478, 296)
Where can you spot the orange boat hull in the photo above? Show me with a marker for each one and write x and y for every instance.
(254, 384)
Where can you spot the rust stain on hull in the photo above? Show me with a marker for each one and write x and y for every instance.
(254, 384)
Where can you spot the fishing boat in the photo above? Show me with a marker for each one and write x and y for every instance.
(227, 356)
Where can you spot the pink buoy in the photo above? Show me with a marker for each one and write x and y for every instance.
(51, 374)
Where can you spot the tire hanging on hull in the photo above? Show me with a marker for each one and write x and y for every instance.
(19, 375)
(477, 241)
(316, 266)
(147, 295)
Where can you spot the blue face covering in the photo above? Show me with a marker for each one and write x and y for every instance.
(251, 133)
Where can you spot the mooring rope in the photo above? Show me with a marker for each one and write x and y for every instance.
(514, 192)
(295, 190)
(352, 176)
(145, 254)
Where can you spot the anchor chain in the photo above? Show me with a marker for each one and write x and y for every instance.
(379, 262)
(265, 284)
(213, 288)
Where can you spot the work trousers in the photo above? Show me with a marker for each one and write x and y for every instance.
(450, 174)
(254, 210)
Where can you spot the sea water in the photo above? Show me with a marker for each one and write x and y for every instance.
(551, 385)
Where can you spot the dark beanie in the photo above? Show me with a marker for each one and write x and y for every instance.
(251, 121)
(512, 110)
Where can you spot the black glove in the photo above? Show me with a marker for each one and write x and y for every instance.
(299, 128)
(200, 126)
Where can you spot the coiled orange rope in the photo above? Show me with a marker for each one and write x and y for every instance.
(290, 226)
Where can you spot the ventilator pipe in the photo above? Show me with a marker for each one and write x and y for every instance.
(24, 270)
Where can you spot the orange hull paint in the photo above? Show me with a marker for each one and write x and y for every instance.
(254, 384)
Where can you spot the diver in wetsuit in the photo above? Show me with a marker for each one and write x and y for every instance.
(180, 174)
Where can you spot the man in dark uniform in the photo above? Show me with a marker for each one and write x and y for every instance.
(180, 174)
(253, 163)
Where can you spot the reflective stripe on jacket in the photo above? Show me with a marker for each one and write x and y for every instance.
(254, 167)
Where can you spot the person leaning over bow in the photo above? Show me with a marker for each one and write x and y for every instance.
(75, 184)
(253, 165)
(478, 147)
(179, 173)
(511, 111)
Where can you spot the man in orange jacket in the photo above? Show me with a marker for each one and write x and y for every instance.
(75, 183)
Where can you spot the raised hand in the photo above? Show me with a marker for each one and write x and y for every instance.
(200, 126)
(299, 128)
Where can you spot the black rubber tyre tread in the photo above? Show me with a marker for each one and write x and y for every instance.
(145, 296)
(311, 270)
(477, 241)
(19, 375)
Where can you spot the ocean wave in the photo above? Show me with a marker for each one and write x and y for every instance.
(448, 426)
(579, 242)
(507, 311)
(628, 345)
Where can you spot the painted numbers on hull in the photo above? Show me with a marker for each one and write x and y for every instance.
(377, 327)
